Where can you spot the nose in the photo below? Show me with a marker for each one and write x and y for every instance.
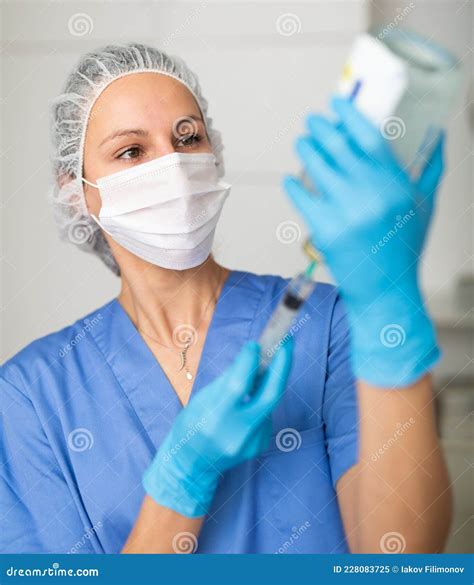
(163, 146)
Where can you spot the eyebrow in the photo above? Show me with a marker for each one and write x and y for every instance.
(139, 131)
(126, 132)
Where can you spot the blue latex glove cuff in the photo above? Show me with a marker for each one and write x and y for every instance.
(180, 494)
(392, 345)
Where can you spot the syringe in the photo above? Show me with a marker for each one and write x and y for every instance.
(278, 327)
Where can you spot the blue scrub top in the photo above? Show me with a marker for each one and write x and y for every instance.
(86, 408)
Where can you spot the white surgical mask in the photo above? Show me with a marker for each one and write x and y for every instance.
(164, 211)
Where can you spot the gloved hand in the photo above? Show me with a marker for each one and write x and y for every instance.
(223, 425)
(370, 220)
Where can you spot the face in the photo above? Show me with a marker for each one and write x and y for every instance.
(138, 118)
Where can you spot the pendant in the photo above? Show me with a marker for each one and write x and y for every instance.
(182, 364)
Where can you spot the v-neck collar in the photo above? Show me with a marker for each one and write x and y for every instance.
(139, 373)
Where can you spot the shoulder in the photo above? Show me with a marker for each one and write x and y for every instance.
(324, 302)
(44, 357)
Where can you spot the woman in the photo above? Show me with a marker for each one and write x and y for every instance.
(146, 426)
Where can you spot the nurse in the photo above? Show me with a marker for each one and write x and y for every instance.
(143, 427)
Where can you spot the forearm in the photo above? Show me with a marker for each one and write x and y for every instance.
(162, 530)
(401, 483)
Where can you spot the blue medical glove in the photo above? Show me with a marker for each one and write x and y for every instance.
(370, 220)
(226, 423)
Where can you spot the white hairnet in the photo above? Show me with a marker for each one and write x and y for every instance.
(70, 114)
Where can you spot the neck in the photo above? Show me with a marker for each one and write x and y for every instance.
(158, 300)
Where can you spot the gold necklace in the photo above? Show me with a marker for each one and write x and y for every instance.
(188, 340)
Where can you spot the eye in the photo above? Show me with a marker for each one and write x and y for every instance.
(189, 140)
(133, 152)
